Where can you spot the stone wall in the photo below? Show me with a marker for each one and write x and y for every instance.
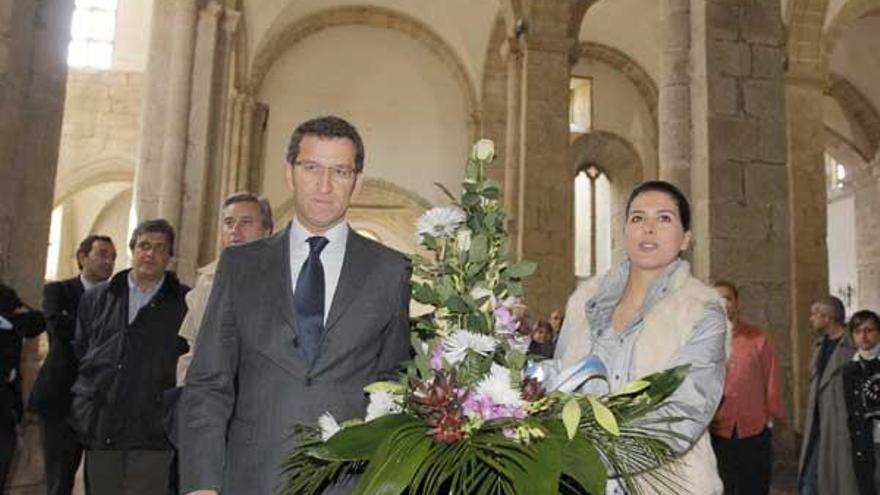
(739, 179)
(99, 142)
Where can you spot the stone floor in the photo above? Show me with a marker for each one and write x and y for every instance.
(784, 477)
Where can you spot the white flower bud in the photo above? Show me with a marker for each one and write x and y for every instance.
(484, 150)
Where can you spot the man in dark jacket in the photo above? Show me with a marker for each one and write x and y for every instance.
(127, 346)
(50, 397)
(17, 321)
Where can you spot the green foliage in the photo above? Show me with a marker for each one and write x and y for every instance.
(359, 443)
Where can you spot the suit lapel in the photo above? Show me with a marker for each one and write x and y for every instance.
(276, 269)
(278, 342)
(355, 267)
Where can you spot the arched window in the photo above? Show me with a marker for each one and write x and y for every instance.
(841, 232)
(580, 106)
(91, 34)
(592, 222)
(835, 172)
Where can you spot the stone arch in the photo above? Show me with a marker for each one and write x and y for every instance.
(848, 15)
(620, 161)
(615, 153)
(114, 169)
(805, 20)
(857, 107)
(835, 140)
(515, 11)
(627, 66)
(282, 39)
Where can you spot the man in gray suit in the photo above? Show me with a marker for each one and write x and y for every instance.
(296, 325)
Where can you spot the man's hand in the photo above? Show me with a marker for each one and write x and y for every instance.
(204, 492)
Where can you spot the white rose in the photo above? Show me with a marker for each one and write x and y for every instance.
(464, 239)
(484, 150)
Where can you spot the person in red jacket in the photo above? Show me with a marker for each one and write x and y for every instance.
(751, 402)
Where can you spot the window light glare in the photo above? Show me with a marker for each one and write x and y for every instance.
(92, 31)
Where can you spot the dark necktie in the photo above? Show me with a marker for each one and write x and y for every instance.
(309, 299)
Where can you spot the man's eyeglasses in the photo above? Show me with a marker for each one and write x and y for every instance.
(145, 246)
(316, 170)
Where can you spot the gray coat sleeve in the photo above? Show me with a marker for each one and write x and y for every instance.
(209, 395)
(700, 393)
(396, 346)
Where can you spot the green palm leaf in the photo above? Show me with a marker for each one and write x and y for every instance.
(396, 461)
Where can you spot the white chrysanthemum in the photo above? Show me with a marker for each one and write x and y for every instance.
(441, 221)
(381, 404)
(483, 150)
(497, 386)
(328, 425)
(457, 344)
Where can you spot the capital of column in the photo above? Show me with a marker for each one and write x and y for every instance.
(211, 11)
(553, 44)
(510, 49)
(231, 21)
(805, 76)
(185, 5)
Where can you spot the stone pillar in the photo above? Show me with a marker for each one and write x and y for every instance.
(674, 99)
(513, 58)
(867, 204)
(809, 218)
(174, 144)
(202, 134)
(226, 79)
(148, 165)
(242, 153)
(545, 230)
(739, 180)
(33, 75)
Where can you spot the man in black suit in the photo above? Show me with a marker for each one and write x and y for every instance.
(50, 398)
(17, 321)
(296, 325)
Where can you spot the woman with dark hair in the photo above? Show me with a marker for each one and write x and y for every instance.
(648, 314)
(861, 392)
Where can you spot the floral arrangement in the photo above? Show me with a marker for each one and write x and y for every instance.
(472, 415)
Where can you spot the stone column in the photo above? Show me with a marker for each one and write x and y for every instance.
(809, 218)
(202, 134)
(513, 58)
(33, 75)
(226, 79)
(174, 144)
(674, 99)
(545, 230)
(739, 180)
(867, 204)
(148, 166)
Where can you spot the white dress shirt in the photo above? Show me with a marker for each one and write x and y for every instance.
(87, 284)
(331, 257)
(138, 298)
